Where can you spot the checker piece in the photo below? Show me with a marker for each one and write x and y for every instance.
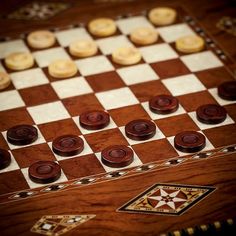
(227, 90)
(163, 104)
(83, 48)
(102, 27)
(22, 134)
(190, 44)
(5, 80)
(62, 68)
(44, 172)
(144, 36)
(126, 56)
(5, 158)
(68, 145)
(162, 15)
(211, 114)
(93, 120)
(19, 61)
(140, 129)
(189, 141)
(41, 39)
(117, 156)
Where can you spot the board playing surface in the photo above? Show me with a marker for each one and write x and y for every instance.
(86, 185)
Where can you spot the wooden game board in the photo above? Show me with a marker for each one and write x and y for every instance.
(87, 187)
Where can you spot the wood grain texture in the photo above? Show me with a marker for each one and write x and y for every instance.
(103, 200)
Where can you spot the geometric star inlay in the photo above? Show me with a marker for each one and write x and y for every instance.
(170, 199)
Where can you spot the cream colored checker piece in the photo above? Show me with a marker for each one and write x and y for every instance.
(144, 36)
(162, 15)
(62, 68)
(126, 56)
(19, 61)
(190, 44)
(83, 48)
(5, 80)
(102, 27)
(41, 39)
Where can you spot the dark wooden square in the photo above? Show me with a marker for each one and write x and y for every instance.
(102, 139)
(123, 115)
(57, 128)
(38, 95)
(147, 90)
(192, 101)
(170, 68)
(13, 180)
(28, 155)
(154, 150)
(14, 117)
(81, 166)
(79, 104)
(172, 125)
(105, 81)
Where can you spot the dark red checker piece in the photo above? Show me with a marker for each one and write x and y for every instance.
(68, 145)
(44, 172)
(117, 156)
(227, 90)
(189, 141)
(5, 158)
(22, 134)
(211, 114)
(163, 104)
(93, 120)
(140, 129)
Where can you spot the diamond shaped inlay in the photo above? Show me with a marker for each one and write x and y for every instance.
(170, 199)
(55, 225)
(38, 10)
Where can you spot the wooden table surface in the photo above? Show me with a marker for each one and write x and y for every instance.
(100, 199)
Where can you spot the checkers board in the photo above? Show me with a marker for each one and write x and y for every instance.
(53, 106)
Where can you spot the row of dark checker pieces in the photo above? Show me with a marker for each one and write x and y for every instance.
(117, 156)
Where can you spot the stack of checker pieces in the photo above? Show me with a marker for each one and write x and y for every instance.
(124, 94)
